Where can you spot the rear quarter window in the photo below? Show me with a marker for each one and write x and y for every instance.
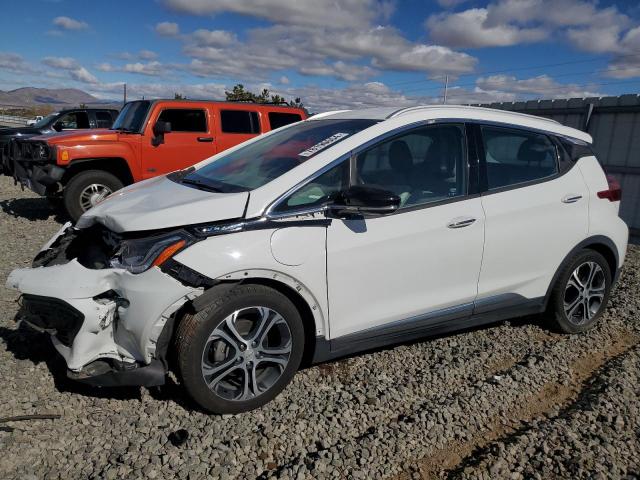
(280, 119)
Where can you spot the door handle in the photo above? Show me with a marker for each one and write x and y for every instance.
(571, 198)
(460, 222)
(205, 139)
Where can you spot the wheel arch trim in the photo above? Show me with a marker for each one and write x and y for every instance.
(292, 285)
(599, 241)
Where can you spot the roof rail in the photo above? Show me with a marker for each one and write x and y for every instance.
(465, 107)
(326, 114)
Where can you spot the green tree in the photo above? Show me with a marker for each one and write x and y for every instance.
(240, 94)
(179, 96)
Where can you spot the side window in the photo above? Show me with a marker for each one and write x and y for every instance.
(422, 166)
(239, 121)
(103, 119)
(74, 121)
(279, 119)
(516, 156)
(318, 191)
(185, 120)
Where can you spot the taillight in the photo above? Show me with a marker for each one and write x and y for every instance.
(614, 192)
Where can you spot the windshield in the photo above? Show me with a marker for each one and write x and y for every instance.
(132, 116)
(258, 163)
(43, 122)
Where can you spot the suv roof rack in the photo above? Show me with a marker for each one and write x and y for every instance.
(284, 103)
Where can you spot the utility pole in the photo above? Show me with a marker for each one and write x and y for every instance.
(124, 94)
(446, 86)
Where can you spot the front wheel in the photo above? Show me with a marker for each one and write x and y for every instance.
(87, 189)
(240, 351)
(581, 292)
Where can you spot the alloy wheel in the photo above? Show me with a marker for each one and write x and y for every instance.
(584, 293)
(246, 353)
(93, 194)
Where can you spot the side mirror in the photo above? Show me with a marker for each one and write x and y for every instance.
(364, 200)
(159, 129)
(58, 127)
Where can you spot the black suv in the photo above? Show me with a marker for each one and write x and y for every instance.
(64, 120)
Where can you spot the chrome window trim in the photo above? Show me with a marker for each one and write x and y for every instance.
(268, 212)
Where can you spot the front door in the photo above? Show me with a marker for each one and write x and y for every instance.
(422, 261)
(190, 141)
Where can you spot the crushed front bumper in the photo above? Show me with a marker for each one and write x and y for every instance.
(32, 165)
(106, 323)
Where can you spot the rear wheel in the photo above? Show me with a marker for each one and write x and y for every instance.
(87, 189)
(240, 351)
(581, 292)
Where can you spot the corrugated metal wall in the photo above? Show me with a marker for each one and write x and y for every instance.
(614, 124)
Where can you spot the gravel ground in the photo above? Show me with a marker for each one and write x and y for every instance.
(513, 400)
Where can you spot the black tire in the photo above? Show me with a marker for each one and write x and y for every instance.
(562, 292)
(194, 330)
(78, 183)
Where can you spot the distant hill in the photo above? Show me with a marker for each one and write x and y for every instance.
(31, 96)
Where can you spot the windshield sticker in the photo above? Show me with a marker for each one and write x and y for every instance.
(323, 144)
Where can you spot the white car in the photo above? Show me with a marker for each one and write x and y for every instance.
(344, 232)
(34, 120)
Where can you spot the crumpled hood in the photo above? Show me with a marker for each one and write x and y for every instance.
(160, 203)
(20, 131)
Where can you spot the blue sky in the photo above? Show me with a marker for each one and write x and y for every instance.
(331, 53)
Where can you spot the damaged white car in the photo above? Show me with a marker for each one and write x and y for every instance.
(341, 233)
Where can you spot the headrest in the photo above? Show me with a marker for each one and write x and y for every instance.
(533, 151)
(400, 158)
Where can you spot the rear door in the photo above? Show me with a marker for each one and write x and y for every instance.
(536, 211)
(189, 141)
(236, 125)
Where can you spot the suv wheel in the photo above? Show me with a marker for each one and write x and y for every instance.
(241, 350)
(87, 189)
(581, 292)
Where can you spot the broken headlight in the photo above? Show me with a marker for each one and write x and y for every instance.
(139, 254)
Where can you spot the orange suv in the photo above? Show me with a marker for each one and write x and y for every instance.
(149, 138)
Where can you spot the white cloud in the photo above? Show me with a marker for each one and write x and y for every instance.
(512, 22)
(167, 29)
(12, 62)
(150, 68)
(346, 54)
(339, 69)
(72, 67)
(211, 91)
(81, 74)
(67, 23)
(213, 38)
(284, 80)
(541, 86)
(319, 13)
(141, 55)
(471, 29)
(64, 63)
(147, 54)
(105, 67)
(450, 3)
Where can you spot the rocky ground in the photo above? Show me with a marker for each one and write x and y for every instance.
(513, 400)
